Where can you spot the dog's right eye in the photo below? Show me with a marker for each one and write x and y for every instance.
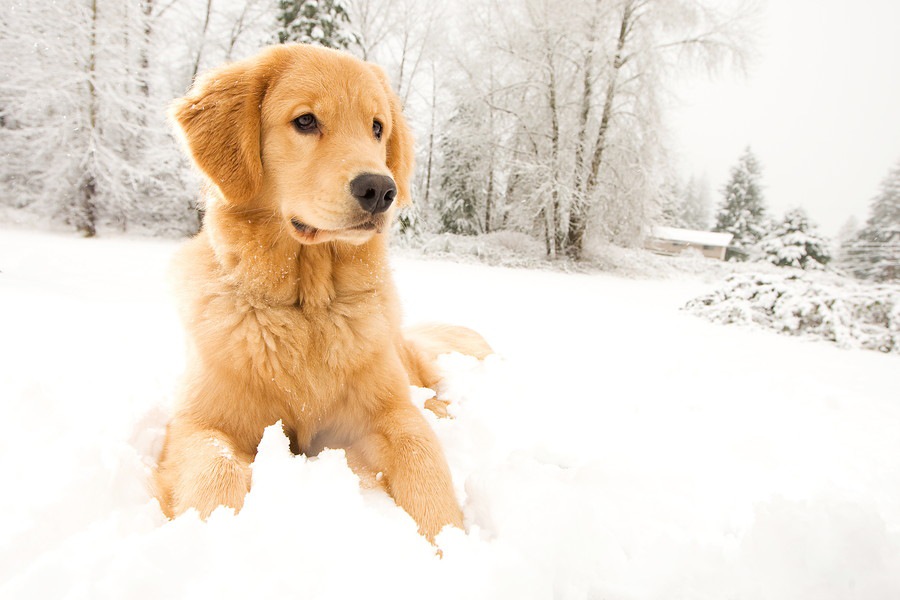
(306, 123)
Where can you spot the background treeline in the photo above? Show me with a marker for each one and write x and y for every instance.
(536, 117)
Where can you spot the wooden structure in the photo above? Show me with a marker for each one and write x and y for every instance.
(672, 241)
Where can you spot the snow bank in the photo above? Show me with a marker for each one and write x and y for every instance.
(618, 449)
(840, 310)
(506, 248)
(513, 249)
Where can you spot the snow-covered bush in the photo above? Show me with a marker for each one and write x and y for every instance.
(794, 242)
(840, 310)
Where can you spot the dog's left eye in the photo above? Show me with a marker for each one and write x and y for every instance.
(377, 129)
(306, 123)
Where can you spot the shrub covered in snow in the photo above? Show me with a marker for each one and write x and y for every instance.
(794, 242)
(835, 309)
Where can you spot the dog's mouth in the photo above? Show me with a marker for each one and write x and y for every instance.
(310, 235)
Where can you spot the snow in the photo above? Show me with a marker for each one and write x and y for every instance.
(708, 238)
(615, 447)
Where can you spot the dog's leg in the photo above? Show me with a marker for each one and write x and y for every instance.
(201, 468)
(405, 451)
(423, 344)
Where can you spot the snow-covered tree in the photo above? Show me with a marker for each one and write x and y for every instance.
(671, 201)
(743, 212)
(568, 144)
(85, 142)
(848, 230)
(794, 242)
(685, 205)
(461, 198)
(319, 22)
(695, 204)
(875, 252)
(578, 106)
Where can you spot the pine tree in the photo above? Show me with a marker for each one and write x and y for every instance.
(795, 242)
(875, 252)
(461, 196)
(685, 205)
(319, 22)
(695, 205)
(742, 212)
(673, 197)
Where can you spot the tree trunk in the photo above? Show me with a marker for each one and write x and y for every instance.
(236, 30)
(86, 216)
(579, 217)
(399, 83)
(196, 66)
(554, 215)
(144, 77)
(429, 163)
(587, 97)
(86, 213)
(489, 197)
(548, 237)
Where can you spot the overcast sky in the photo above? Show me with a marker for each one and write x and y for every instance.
(820, 107)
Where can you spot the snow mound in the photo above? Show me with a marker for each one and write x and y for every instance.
(518, 250)
(608, 454)
(852, 314)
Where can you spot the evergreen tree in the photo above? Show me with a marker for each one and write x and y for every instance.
(875, 252)
(742, 212)
(848, 230)
(695, 205)
(461, 191)
(685, 205)
(319, 22)
(673, 197)
(795, 242)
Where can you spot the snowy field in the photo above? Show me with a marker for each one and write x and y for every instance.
(616, 447)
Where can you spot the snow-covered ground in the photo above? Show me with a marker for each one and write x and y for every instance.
(616, 447)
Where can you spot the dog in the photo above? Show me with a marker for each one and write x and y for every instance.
(286, 294)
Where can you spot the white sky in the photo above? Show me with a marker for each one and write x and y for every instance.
(820, 107)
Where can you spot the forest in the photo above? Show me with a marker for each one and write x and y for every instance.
(541, 122)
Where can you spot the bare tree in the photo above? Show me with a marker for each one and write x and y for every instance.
(373, 23)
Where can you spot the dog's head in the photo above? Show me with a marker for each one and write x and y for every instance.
(313, 135)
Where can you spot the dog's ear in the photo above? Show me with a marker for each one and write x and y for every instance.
(400, 143)
(220, 120)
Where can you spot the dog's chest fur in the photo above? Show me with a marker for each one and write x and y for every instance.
(297, 330)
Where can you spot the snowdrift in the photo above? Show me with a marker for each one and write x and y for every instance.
(616, 447)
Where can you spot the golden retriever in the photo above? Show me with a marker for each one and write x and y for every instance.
(286, 293)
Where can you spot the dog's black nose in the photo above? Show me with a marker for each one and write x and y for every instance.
(375, 193)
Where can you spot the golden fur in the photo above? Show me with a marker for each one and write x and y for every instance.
(300, 323)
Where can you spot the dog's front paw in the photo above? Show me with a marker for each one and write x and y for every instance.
(438, 407)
